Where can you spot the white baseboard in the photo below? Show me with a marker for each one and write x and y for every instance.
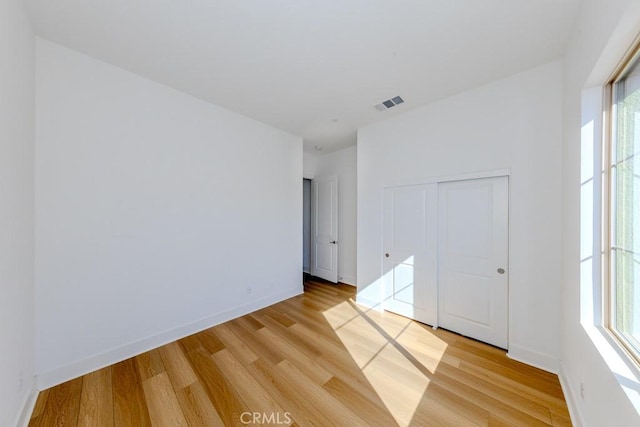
(347, 280)
(533, 358)
(28, 403)
(90, 364)
(365, 302)
(569, 397)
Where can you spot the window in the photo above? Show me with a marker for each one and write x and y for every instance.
(624, 207)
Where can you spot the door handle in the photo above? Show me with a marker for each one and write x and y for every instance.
(501, 271)
(333, 242)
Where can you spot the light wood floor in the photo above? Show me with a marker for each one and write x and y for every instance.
(316, 359)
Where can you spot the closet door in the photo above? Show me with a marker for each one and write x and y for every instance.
(410, 238)
(473, 258)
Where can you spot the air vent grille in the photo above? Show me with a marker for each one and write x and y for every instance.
(389, 103)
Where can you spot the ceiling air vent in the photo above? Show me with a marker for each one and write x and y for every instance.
(385, 105)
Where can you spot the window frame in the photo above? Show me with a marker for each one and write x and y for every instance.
(607, 271)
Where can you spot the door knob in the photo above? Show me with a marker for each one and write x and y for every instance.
(333, 242)
(386, 255)
(501, 271)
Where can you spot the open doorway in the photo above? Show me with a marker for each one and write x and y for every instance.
(306, 227)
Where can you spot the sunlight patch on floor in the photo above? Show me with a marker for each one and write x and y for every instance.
(396, 355)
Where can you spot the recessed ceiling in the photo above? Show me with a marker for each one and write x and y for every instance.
(313, 68)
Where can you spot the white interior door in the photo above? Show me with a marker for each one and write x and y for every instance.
(409, 251)
(473, 258)
(325, 228)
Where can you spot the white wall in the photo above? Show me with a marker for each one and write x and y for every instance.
(156, 212)
(604, 31)
(17, 62)
(310, 163)
(514, 124)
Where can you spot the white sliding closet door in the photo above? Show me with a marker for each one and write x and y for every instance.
(473, 258)
(409, 262)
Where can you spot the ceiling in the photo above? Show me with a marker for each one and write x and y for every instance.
(314, 68)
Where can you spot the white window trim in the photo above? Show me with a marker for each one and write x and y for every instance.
(593, 250)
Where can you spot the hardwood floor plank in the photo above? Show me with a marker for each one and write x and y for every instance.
(456, 403)
(332, 408)
(310, 320)
(250, 390)
(506, 395)
(225, 399)
(336, 359)
(62, 406)
(41, 402)
(512, 384)
(560, 419)
(149, 364)
(190, 343)
(432, 413)
(530, 381)
(235, 344)
(288, 335)
(249, 322)
(315, 342)
(96, 400)
(492, 405)
(162, 402)
(289, 352)
(283, 319)
(407, 404)
(372, 411)
(350, 374)
(304, 411)
(321, 297)
(179, 369)
(310, 308)
(393, 363)
(497, 421)
(210, 341)
(129, 405)
(400, 399)
(260, 346)
(197, 408)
